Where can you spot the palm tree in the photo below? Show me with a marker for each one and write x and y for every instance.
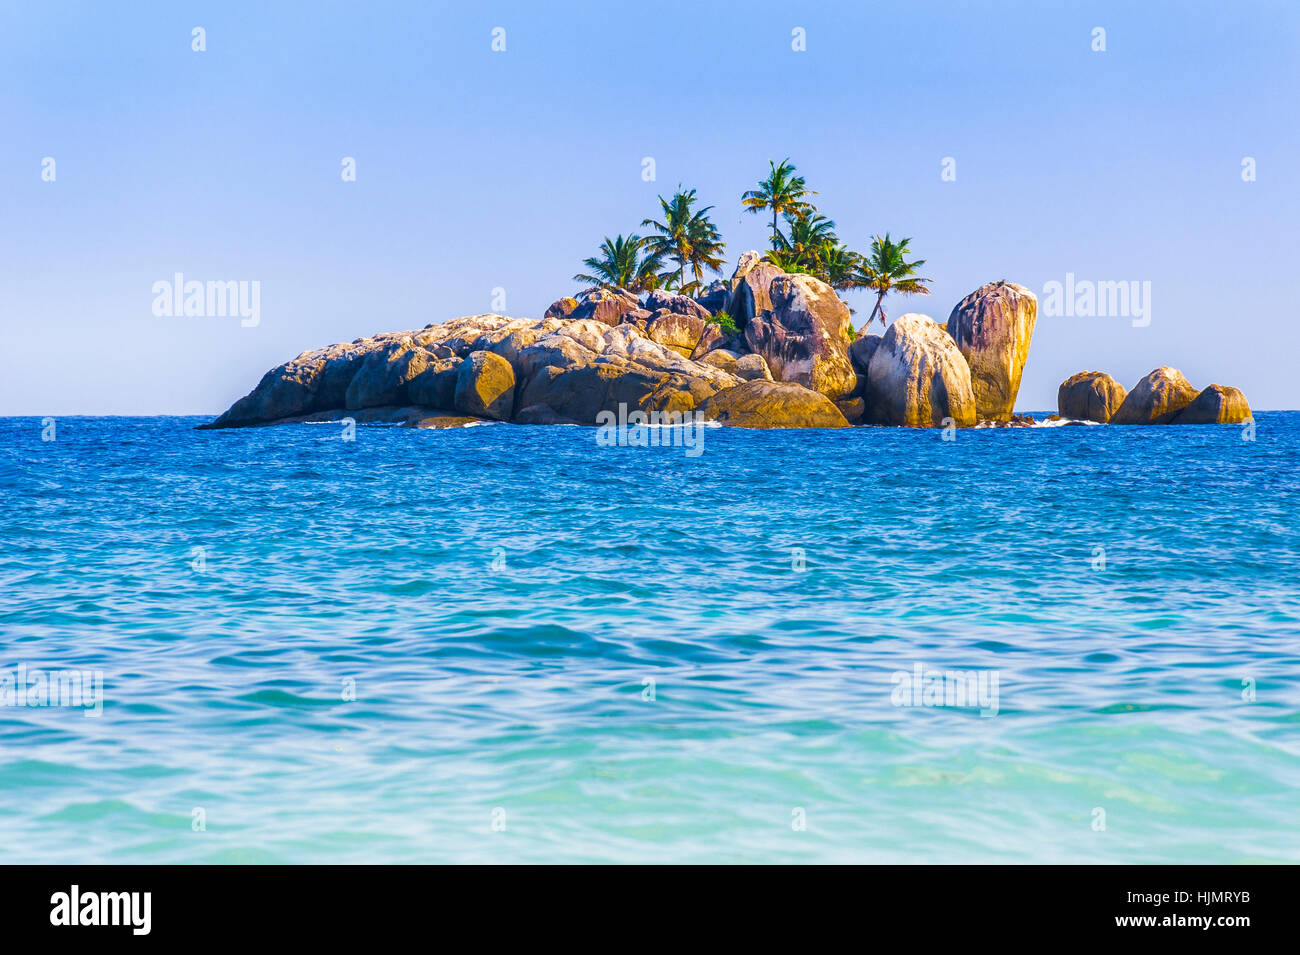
(808, 235)
(837, 265)
(884, 269)
(783, 192)
(786, 261)
(688, 238)
(621, 265)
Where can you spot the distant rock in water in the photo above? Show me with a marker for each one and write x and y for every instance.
(1163, 397)
(1156, 399)
(1216, 404)
(993, 327)
(1089, 396)
(918, 377)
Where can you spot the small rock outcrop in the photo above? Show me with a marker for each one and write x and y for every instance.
(1156, 399)
(724, 359)
(992, 327)
(918, 378)
(384, 374)
(1089, 396)
(1216, 404)
(772, 404)
(607, 306)
(752, 368)
(659, 300)
(561, 308)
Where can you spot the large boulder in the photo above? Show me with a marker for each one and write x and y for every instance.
(678, 304)
(575, 343)
(579, 393)
(485, 387)
(1089, 396)
(772, 404)
(1216, 404)
(575, 372)
(750, 288)
(805, 335)
(993, 326)
(435, 387)
(385, 373)
(918, 377)
(627, 344)
(607, 306)
(1156, 399)
(678, 331)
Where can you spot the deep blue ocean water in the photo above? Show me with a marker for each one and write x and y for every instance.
(438, 645)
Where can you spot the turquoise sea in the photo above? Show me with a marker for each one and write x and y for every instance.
(511, 644)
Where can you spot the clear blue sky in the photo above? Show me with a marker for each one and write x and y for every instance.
(478, 169)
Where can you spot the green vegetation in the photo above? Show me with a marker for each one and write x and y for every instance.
(688, 238)
(620, 264)
(884, 269)
(725, 322)
(685, 240)
(783, 192)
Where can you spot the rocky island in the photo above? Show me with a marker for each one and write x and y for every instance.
(764, 349)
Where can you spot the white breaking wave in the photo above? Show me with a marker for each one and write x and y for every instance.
(1061, 422)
